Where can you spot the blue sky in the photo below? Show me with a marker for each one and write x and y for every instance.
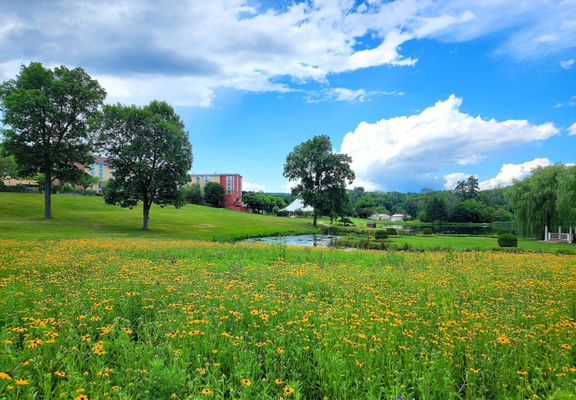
(419, 93)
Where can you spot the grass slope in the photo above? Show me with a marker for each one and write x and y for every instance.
(21, 216)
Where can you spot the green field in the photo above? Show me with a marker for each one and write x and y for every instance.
(443, 242)
(21, 216)
(143, 319)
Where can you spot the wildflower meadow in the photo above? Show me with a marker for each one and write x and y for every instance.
(144, 319)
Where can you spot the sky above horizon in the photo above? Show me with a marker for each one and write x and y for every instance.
(419, 93)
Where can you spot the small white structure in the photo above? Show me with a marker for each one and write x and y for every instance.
(559, 236)
(380, 217)
(397, 218)
(297, 205)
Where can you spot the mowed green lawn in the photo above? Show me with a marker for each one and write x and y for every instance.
(440, 242)
(21, 216)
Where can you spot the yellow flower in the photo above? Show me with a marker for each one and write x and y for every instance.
(523, 373)
(22, 382)
(566, 346)
(60, 374)
(246, 382)
(5, 376)
(207, 392)
(503, 339)
(288, 390)
(81, 397)
(475, 370)
(278, 381)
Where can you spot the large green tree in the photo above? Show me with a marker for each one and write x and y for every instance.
(214, 194)
(149, 153)
(542, 199)
(320, 173)
(47, 113)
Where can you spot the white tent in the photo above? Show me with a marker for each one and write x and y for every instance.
(296, 205)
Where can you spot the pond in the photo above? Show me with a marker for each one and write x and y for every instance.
(296, 240)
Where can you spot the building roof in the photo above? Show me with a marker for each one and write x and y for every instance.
(298, 204)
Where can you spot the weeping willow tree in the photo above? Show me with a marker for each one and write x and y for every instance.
(567, 197)
(545, 198)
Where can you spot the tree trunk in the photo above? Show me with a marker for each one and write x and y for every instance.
(48, 196)
(146, 215)
(315, 217)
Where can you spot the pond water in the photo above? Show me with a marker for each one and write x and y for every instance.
(296, 240)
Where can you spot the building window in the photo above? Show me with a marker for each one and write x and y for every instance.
(229, 184)
(101, 174)
(198, 180)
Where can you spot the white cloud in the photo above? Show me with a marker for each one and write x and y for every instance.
(513, 172)
(572, 129)
(349, 95)
(401, 152)
(184, 52)
(453, 178)
(253, 187)
(567, 64)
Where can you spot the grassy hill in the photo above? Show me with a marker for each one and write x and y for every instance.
(21, 216)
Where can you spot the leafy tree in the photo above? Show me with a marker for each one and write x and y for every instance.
(8, 167)
(193, 194)
(214, 194)
(435, 210)
(534, 201)
(365, 207)
(86, 180)
(149, 153)
(469, 188)
(566, 205)
(320, 173)
(47, 114)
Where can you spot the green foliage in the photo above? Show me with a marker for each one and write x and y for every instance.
(68, 189)
(47, 114)
(193, 194)
(392, 231)
(471, 210)
(260, 202)
(149, 153)
(427, 231)
(8, 167)
(86, 180)
(469, 188)
(214, 194)
(545, 198)
(381, 234)
(507, 240)
(321, 174)
(345, 221)
(365, 207)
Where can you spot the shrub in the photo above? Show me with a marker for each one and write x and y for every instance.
(67, 189)
(427, 231)
(392, 231)
(90, 192)
(507, 240)
(381, 234)
(345, 221)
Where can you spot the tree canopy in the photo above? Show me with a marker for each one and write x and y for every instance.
(214, 194)
(149, 153)
(47, 113)
(321, 174)
(545, 198)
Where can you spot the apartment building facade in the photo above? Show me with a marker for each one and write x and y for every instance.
(232, 184)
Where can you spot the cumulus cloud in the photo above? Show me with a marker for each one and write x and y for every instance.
(189, 49)
(513, 172)
(407, 151)
(253, 187)
(572, 129)
(567, 64)
(453, 178)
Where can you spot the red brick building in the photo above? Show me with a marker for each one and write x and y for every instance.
(232, 184)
